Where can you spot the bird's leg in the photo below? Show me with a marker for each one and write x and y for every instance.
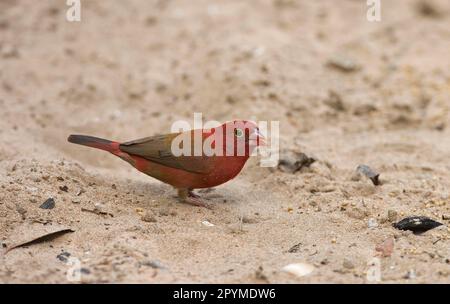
(185, 196)
(192, 194)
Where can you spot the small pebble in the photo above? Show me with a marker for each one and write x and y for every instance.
(208, 224)
(98, 207)
(153, 264)
(369, 173)
(9, 51)
(164, 212)
(334, 101)
(428, 9)
(48, 204)
(392, 215)
(292, 161)
(249, 220)
(85, 271)
(22, 211)
(63, 256)
(259, 274)
(295, 248)
(410, 275)
(343, 63)
(386, 248)
(348, 264)
(372, 223)
(149, 217)
(299, 269)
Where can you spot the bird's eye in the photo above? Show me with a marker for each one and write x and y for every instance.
(238, 132)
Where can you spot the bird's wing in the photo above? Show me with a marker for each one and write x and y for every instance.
(158, 149)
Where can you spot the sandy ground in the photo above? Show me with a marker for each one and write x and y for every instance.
(131, 68)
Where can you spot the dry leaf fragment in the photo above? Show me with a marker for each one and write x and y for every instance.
(34, 234)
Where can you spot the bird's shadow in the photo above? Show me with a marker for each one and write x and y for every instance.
(154, 192)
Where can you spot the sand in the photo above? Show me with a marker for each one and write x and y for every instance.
(130, 69)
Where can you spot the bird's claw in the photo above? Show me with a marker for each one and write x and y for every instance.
(192, 194)
(189, 197)
(196, 201)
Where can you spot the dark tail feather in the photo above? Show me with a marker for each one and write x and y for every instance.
(94, 142)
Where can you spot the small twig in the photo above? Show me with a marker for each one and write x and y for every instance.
(98, 212)
(439, 239)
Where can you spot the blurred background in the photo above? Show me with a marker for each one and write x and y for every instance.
(129, 69)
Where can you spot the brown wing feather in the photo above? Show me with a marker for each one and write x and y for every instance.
(158, 149)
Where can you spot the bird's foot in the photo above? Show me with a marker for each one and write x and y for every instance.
(189, 197)
(196, 201)
(192, 194)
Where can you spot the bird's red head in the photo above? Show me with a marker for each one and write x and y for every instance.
(240, 137)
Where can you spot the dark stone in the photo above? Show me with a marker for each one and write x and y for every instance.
(48, 204)
(416, 224)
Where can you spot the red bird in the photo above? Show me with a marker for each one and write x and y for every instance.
(187, 160)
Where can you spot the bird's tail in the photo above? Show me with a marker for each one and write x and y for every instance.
(94, 142)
